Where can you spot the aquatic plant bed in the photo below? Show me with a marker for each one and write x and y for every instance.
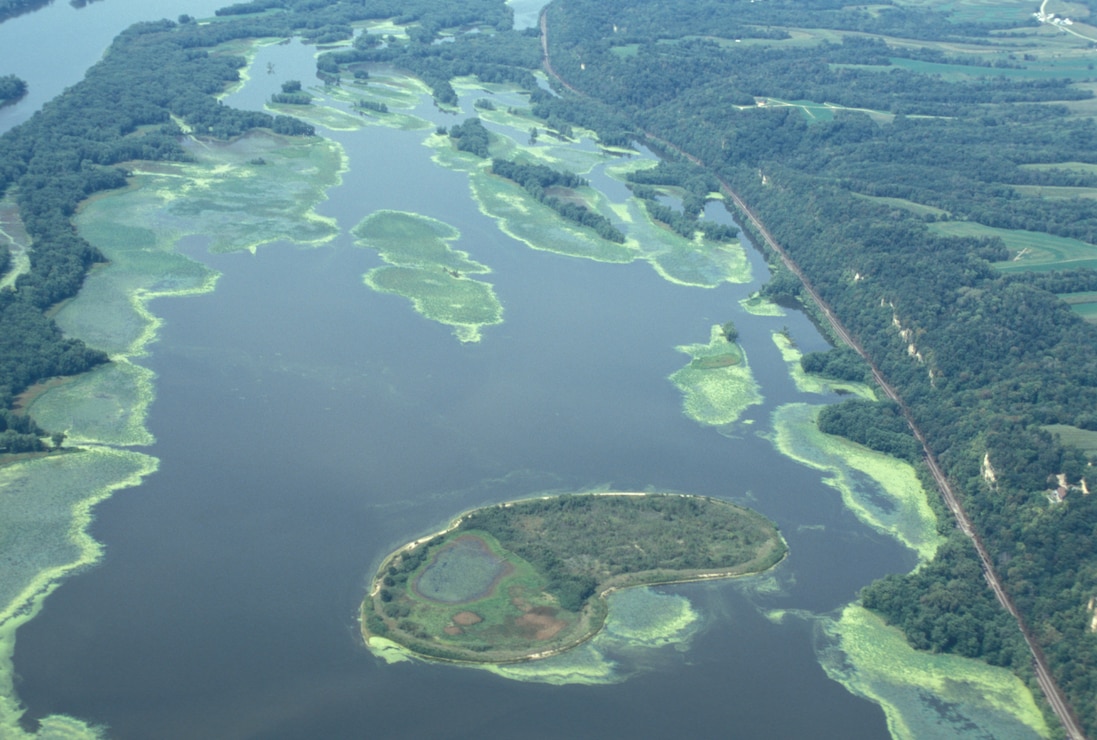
(529, 579)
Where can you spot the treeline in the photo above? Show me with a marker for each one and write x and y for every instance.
(878, 425)
(982, 360)
(488, 53)
(471, 136)
(292, 94)
(537, 179)
(125, 109)
(11, 8)
(72, 149)
(695, 186)
(11, 89)
(579, 542)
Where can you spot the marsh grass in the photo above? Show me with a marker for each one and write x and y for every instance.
(422, 267)
(716, 389)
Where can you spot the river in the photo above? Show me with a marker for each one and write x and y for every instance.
(306, 425)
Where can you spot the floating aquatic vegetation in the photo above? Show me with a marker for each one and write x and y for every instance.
(926, 694)
(45, 508)
(756, 305)
(640, 621)
(882, 491)
(425, 269)
(717, 385)
(807, 383)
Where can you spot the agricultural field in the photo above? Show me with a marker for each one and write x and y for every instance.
(1083, 439)
(1029, 250)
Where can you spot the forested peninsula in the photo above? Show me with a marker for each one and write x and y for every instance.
(930, 171)
(529, 579)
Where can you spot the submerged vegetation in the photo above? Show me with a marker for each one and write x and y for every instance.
(422, 267)
(529, 579)
(928, 168)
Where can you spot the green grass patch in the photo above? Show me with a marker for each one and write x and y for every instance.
(1030, 250)
(903, 203)
(1083, 439)
(625, 51)
(717, 385)
(1086, 167)
(422, 267)
(1084, 304)
(529, 579)
(1055, 192)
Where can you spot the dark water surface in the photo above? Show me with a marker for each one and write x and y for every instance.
(306, 426)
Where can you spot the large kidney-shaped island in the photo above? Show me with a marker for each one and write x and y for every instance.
(529, 579)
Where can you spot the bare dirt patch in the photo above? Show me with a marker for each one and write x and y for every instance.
(540, 623)
(466, 618)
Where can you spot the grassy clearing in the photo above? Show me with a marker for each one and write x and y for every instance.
(13, 236)
(824, 111)
(1086, 167)
(717, 385)
(1055, 192)
(903, 203)
(422, 267)
(925, 694)
(1083, 439)
(1083, 304)
(1031, 250)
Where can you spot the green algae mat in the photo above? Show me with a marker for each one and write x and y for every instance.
(529, 579)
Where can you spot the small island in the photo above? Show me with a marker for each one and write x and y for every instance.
(529, 579)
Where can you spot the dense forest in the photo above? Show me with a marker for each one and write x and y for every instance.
(983, 360)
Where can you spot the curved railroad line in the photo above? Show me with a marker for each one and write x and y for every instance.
(1048, 685)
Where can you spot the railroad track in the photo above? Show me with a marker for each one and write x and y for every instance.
(1048, 686)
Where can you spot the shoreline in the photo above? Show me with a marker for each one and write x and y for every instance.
(594, 613)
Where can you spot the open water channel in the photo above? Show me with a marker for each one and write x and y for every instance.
(306, 425)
